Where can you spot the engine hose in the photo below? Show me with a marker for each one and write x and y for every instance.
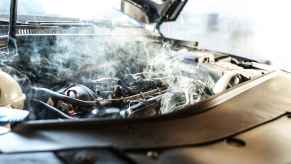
(44, 94)
(54, 111)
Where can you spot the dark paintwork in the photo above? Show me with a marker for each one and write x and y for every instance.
(245, 107)
(267, 144)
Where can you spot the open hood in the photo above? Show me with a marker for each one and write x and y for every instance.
(153, 11)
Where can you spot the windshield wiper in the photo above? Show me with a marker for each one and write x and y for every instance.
(59, 23)
(12, 45)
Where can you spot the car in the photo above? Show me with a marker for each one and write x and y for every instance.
(116, 89)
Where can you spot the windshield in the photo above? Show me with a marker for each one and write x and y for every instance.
(67, 10)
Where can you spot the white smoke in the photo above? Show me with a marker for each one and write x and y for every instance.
(188, 82)
(80, 59)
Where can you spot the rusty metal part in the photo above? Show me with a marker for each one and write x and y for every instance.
(151, 93)
(51, 94)
(144, 109)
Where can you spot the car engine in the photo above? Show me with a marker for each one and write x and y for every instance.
(118, 80)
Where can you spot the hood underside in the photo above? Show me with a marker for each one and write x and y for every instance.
(153, 11)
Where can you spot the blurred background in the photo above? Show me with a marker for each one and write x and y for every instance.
(251, 28)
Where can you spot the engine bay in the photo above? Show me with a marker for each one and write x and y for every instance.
(77, 77)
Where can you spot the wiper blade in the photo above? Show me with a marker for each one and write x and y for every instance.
(4, 21)
(49, 23)
(43, 20)
(54, 23)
